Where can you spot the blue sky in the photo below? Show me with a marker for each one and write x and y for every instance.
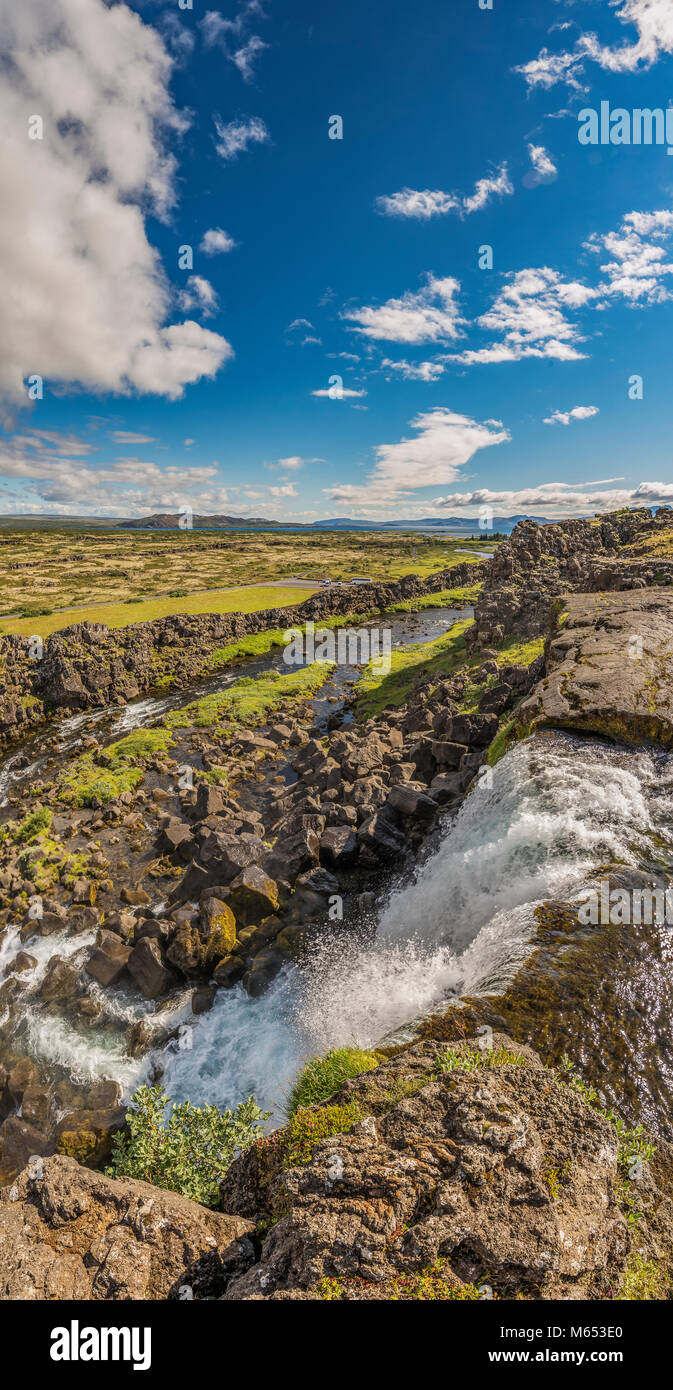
(347, 267)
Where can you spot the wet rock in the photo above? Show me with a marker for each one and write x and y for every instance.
(146, 966)
(84, 891)
(61, 981)
(109, 959)
(75, 1234)
(139, 1038)
(105, 1094)
(227, 855)
(339, 847)
(20, 963)
(37, 1107)
(186, 951)
(253, 896)
(176, 838)
(411, 803)
(87, 1135)
(227, 972)
(19, 1141)
(203, 999)
(135, 897)
(263, 970)
(380, 837)
(23, 1074)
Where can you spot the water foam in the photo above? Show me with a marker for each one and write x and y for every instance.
(557, 809)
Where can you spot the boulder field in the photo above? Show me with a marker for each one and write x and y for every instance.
(445, 1168)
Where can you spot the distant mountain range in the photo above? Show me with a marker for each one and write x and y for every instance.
(166, 521)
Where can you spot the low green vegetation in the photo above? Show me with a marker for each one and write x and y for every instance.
(187, 1151)
(23, 831)
(634, 1148)
(300, 1137)
(643, 1281)
(456, 1060)
(445, 598)
(409, 665)
(435, 1284)
(244, 600)
(103, 777)
(321, 1077)
(251, 700)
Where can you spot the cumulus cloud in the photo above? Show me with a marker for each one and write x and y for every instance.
(653, 21)
(636, 264)
(422, 204)
(198, 294)
(237, 136)
(84, 295)
(428, 315)
(216, 242)
(557, 499)
(530, 314)
(414, 371)
(564, 417)
(443, 442)
(426, 203)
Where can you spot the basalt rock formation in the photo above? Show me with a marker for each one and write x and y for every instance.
(88, 665)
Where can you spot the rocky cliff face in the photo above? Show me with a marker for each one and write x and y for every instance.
(609, 668)
(68, 1233)
(442, 1174)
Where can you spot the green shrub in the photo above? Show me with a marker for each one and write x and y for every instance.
(32, 824)
(190, 1151)
(321, 1077)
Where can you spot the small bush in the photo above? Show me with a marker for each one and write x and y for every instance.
(323, 1076)
(190, 1151)
(32, 825)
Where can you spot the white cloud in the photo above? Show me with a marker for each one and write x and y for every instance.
(410, 202)
(414, 371)
(637, 266)
(653, 21)
(198, 294)
(530, 314)
(244, 57)
(84, 295)
(215, 242)
(429, 315)
(443, 443)
(426, 203)
(495, 186)
(220, 32)
(236, 137)
(557, 499)
(128, 437)
(578, 412)
(544, 169)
